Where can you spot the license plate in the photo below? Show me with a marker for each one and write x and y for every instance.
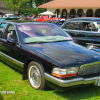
(98, 82)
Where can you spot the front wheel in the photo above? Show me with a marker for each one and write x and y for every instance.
(36, 75)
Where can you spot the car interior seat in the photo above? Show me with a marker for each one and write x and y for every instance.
(12, 35)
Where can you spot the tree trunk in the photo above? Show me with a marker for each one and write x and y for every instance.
(31, 7)
(14, 11)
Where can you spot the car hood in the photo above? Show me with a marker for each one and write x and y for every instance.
(64, 53)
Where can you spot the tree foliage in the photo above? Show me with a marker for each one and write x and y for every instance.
(39, 2)
(24, 6)
(14, 5)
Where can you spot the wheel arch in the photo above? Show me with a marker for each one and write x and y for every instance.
(27, 61)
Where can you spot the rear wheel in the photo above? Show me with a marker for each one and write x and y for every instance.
(36, 75)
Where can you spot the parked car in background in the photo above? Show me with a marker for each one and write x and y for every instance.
(85, 31)
(9, 18)
(8, 15)
(47, 55)
(43, 19)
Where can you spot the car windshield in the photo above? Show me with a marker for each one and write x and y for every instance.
(42, 33)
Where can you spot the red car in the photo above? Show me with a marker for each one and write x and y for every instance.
(43, 19)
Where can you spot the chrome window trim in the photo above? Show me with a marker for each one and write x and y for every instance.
(70, 30)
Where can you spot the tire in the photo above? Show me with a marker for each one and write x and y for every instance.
(36, 76)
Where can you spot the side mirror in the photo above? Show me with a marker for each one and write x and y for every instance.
(10, 40)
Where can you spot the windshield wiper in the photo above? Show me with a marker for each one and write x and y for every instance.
(37, 42)
(48, 41)
(61, 40)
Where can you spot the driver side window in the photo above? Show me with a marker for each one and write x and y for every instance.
(10, 33)
(88, 26)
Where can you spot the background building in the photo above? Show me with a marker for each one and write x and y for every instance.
(4, 10)
(73, 8)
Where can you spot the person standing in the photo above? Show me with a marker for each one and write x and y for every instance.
(22, 17)
(32, 17)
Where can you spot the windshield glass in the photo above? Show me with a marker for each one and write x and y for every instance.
(57, 22)
(42, 33)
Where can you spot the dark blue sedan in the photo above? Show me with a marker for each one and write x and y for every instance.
(47, 55)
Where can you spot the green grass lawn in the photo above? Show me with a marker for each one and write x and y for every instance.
(11, 80)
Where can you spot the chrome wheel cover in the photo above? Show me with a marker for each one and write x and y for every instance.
(34, 76)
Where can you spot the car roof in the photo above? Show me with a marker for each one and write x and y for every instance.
(9, 14)
(84, 19)
(23, 23)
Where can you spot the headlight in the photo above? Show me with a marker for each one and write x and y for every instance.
(59, 72)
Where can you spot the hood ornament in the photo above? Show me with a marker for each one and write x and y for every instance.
(95, 55)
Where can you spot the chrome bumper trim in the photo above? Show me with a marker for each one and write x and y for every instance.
(71, 82)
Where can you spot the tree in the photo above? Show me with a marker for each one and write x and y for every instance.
(14, 5)
(24, 6)
(39, 2)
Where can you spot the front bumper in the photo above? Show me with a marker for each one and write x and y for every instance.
(72, 82)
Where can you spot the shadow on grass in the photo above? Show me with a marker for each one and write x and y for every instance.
(1, 98)
(80, 93)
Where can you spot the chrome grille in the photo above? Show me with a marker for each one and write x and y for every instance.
(89, 68)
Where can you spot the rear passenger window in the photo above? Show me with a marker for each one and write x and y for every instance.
(72, 25)
(76, 25)
(2, 25)
(69, 25)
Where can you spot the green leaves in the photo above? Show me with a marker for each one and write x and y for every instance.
(14, 4)
(24, 6)
(39, 2)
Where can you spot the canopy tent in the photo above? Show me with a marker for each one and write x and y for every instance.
(47, 13)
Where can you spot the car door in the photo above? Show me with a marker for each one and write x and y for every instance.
(72, 28)
(9, 51)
